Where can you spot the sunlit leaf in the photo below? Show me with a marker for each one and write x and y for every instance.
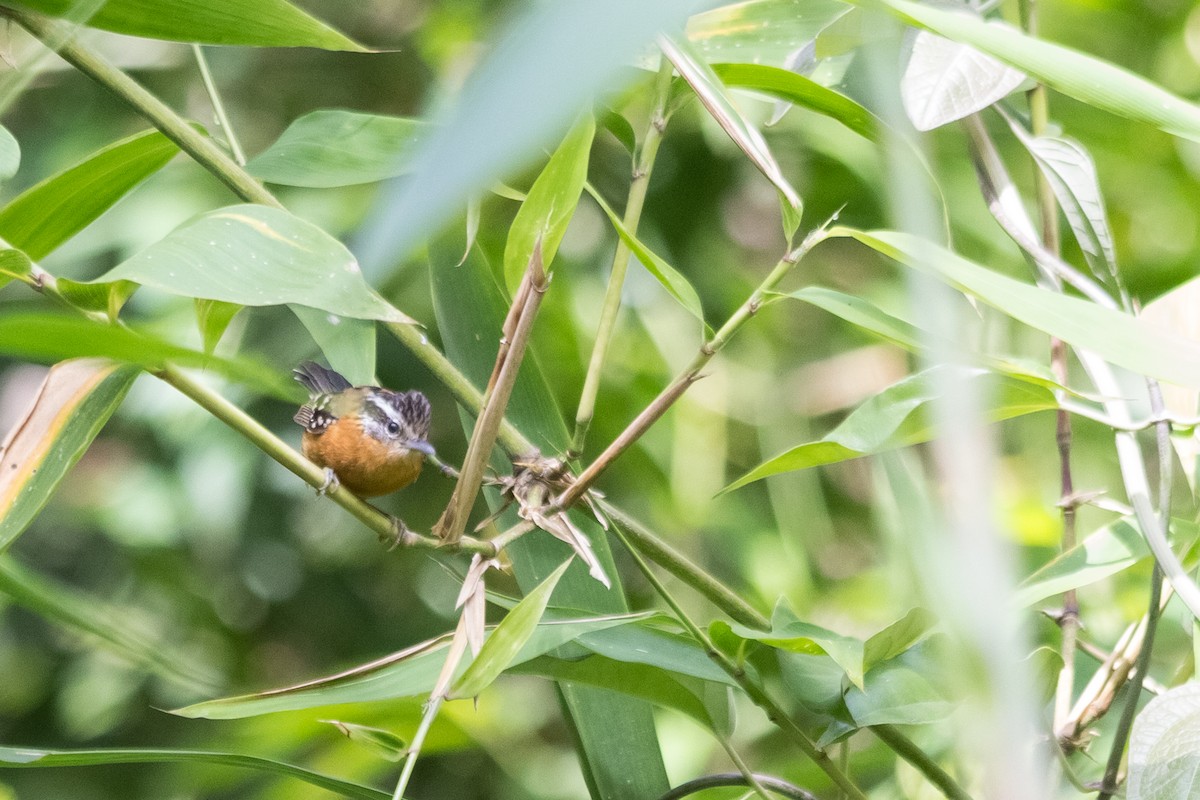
(798, 636)
(256, 23)
(44, 216)
(1119, 338)
(213, 317)
(945, 81)
(760, 31)
(10, 154)
(543, 217)
(507, 640)
(1164, 746)
(333, 147)
(893, 640)
(678, 286)
(67, 412)
(107, 297)
(36, 757)
(1098, 83)
(257, 256)
(50, 338)
(14, 264)
(713, 95)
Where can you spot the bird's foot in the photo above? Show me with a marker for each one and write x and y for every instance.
(399, 535)
(331, 483)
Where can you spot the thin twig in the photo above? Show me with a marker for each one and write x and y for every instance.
(697, 785)
(218, 107)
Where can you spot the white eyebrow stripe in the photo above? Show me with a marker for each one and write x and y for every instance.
(390, 411)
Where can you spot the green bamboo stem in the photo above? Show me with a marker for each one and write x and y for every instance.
(638, 185)
(174, 127)
(904, 747)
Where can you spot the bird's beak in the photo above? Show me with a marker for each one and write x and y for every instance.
(420, 446)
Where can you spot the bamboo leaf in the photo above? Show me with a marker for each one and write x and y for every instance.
(213, 317)
(36, 757)
(550, 204)
(1119, 338)
(255, 23)
(348, 344)
(760, 31)
(945, 81)
(1163, 762)
(895, 693)
(10, 154)
(44, 216)
(507, 639)
(333, 147)
(380, 741)
(797, 636)
(898, 637)
(708, 87)
(257, 256)
(71, 406)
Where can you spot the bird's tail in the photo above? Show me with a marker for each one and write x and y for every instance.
(318, 379)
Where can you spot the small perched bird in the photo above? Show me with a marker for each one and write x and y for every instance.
(369, 439)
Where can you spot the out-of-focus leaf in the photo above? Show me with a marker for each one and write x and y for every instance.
(643, 644)
(804, 637)
(676, 285)
(890, 420)
(619, 127)
(897, 637)
(333, 147)
(945, 81)
(44, 216)
(1164, 762)
(49, 338)
(861, 314)
(708, 87)
(348, 343)
(257, 256)
(760, 31)
(1086, 78)
(114, 627)
(381, 742)
(896, 694)
(1045, 665)
(254, 23)
(213, 317)
(14, 264)
(10, 154)
(35, 757)
(507, 640)
(74, 401)
(543, 217)
(1072, 175)
(107, 297)
(520, 98)
(409, 673)
(1119, 338)
(787, 85)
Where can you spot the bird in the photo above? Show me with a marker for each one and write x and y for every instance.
(371, 440)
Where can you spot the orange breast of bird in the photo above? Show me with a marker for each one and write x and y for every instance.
(363, 464)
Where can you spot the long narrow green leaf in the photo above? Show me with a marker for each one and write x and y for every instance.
(35, 757)
(804, 637)
(334, 147)
(1119, 338)
(10, 154)
(72, 405)
(256, 23)
(1086, 78)
(507, 640)
(761, 31)
(44, 216)
(543, 217)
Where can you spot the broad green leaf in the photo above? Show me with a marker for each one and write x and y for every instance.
(787, 85)
(713, 95)
(703, 701)
(507, 640)
(798, 636)
(945, 81)
(14, 264)
(1164, 759)
(816, 681)
(50, 338)
(550, 204)
(254, 23)
(898, 637)
(333, 147)
(382, 742)
(760, 31)
(616, 738)
(619, 127)
(114, 627)
(1086, 78)
(213, 317)
(643, 644)
(36, 757)
(257, 256)
(348, 343)
(10, 154)
(551, 62)
(44, 216)
(1119, 338)
(890, 420)
(678, 286)
(896, 694)
(74, 401)
(409, 673)
(1071, 173)
(107, 297)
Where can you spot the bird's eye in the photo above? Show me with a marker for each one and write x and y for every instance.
(393, 428)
